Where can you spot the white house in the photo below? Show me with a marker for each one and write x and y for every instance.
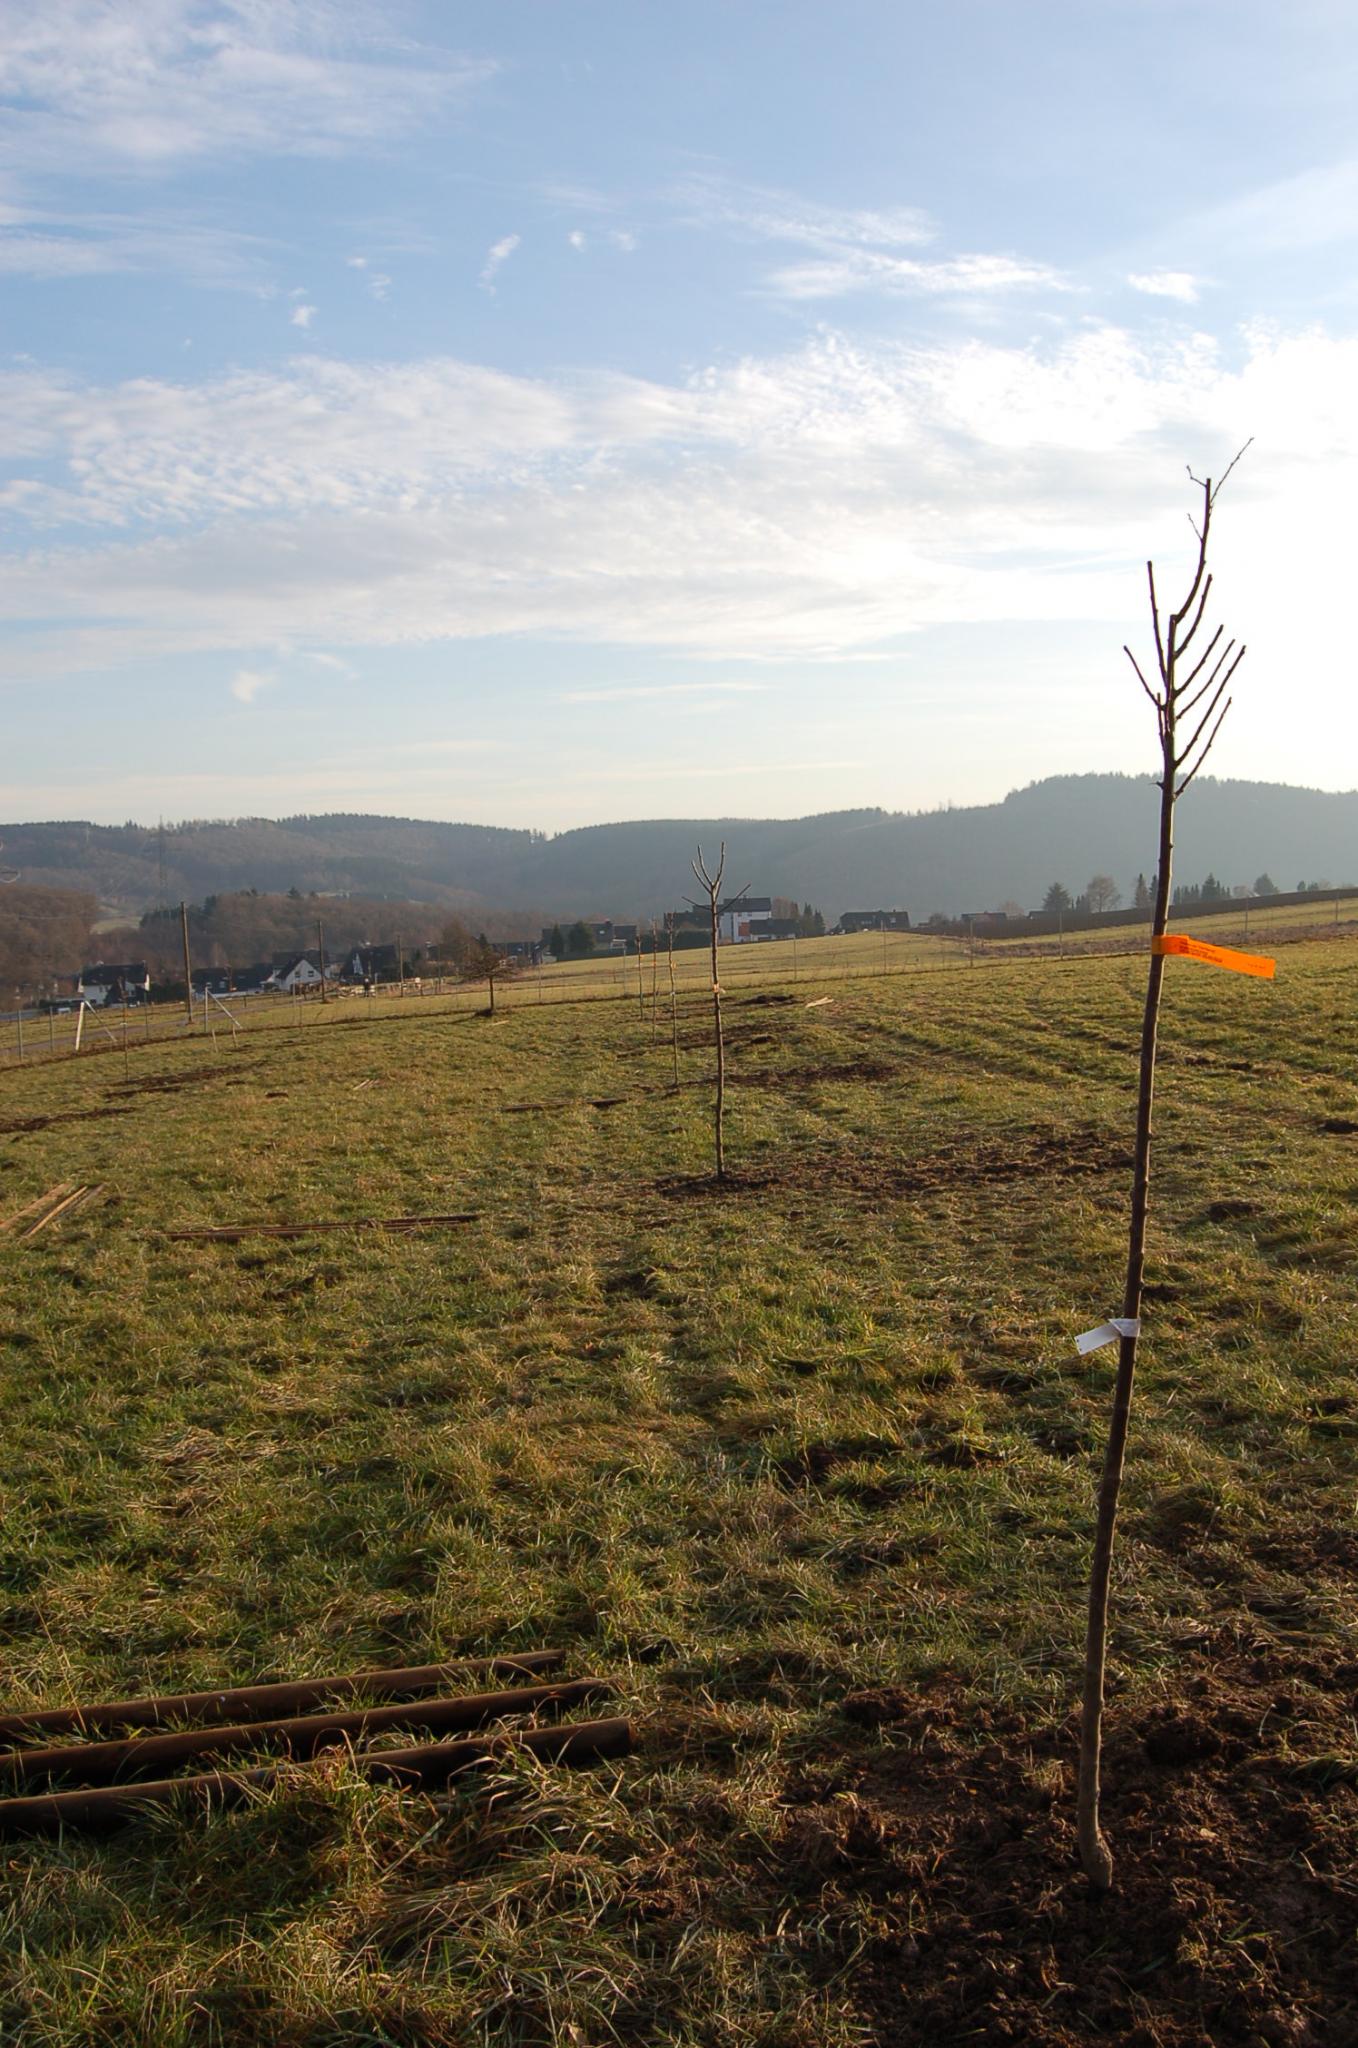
(297, 971)
(746, 918)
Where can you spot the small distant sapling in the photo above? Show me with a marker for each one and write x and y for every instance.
(712, 885)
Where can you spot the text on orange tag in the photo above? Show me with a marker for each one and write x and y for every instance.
(1215, 956)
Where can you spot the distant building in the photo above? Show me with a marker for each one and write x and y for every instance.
(372, 963)
(129, 982)
(875, 921)
(296, 971)
(743, 919)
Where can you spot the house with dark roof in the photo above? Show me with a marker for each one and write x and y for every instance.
(127, 982)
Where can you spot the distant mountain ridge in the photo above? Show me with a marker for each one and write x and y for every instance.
(1065, 828)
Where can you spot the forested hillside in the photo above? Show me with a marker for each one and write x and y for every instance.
(1065, 829)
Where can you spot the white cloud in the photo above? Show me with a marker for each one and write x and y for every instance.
(624, 239)
(769, 214)
(497, 256)
(44, 241)
(639, 692)
(1166, 284)
(147, 83)
(854, 249)
(577, 238)
(379, 285)
(357, 262)
(867, 270)
(247, 683)
(820, 504)
(302, 316)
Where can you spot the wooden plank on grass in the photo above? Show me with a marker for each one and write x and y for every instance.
(63, 1187)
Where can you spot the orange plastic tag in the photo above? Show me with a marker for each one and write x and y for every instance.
(1215, 956)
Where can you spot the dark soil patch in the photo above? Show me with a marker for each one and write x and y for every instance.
(1229, 1211)
(1060, 1153)
(761, 1002)
(801, 1077)
(165, 1084)
(1233, 1818)
(697, 1041)
(1338, 1126)
(58, 1116)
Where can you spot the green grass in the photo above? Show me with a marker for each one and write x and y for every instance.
(745, 1452)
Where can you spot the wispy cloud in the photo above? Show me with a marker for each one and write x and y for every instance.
(85, 84)
(497, 256)
(247, 683)
(1166, 284)
(853, 249)
(868, 270)
(38, 240)
(303, 315)
(637, 692)
(816, 505)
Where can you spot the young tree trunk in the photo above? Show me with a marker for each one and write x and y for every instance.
(674, 998)
(1094, 1852)
(721, 1049)
(1174, 700)
(712, 884)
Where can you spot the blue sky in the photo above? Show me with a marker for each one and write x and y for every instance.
(544, 413)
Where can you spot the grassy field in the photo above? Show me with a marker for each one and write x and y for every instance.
(804, 1463)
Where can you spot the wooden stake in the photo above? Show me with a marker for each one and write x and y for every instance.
(188, 970)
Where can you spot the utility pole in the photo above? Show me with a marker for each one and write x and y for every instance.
(400, 966)
(188, 970)
(320, 944)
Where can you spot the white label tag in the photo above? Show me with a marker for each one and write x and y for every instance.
(1108, 1333)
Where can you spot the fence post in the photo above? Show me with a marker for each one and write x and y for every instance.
(19, 1011)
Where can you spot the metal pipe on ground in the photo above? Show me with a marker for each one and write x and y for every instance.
(234, 1703)
(418, 1769)
(107, 1763)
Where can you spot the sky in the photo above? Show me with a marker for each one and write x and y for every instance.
(539, 414)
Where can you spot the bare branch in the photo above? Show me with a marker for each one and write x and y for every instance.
(1205, 656)
(1155, 700)
(1221, 480)
(1202, 532)
(1186, 705)
(1182, 786)
(1155, 621)
(1202, 606)
(1207, 715)
(1182, 757)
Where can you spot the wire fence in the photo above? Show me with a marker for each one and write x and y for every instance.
(30, 1037)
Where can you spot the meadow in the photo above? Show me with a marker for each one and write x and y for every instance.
(803, 1462)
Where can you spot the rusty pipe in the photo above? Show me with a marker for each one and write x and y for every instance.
(417, 1769)
(236, 1702)
(106, 1763)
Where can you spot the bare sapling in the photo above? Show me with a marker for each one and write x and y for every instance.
(712, 884)
(655, 984)
(641, 986)
(1189, 699)
(674, 997)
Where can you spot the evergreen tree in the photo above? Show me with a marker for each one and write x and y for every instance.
(1264, 885)
(556, 945)
(1056, 899)
(1141, 894)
